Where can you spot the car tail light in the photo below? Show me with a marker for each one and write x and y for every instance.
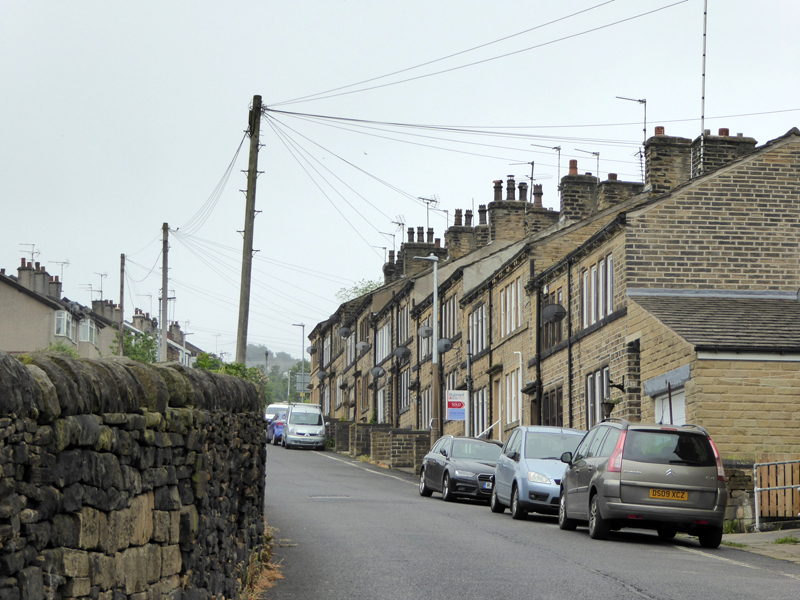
(615, 460)
(699, 522)
(720, 468)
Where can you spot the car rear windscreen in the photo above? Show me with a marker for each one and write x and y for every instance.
(669, 448)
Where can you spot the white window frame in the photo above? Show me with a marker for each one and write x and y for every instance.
(609, 284)
(326, 351)
(450, 317)
(350, 349)
(593, 296)
(425, 409)
(338, 391)
(381, 400)
(601, 288)
(403, 323)
(585, 297)
(326, 400)
(404, 401)
(480, 411)
(426, 344)
(383, 342)
(512, 389)
(477, 329)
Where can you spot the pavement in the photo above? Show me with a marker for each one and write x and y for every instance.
(764, 543)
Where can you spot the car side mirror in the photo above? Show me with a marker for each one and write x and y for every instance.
(444, 452)
(514, 456)
(567, 458)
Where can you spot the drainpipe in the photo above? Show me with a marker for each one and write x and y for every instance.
(489, 330)
(538, 317)
(467, 430)
(569, 337)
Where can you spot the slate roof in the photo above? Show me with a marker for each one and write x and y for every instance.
(733, 324)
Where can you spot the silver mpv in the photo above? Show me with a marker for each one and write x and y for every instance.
(664, 477)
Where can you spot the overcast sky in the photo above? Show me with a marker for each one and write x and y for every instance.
(118, 117)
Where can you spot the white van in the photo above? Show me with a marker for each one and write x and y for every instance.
(304, 427)
(273, 410)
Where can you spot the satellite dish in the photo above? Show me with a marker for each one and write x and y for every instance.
(378, 372)
(344, 332)
(444, 345)
(425, 331)
(362, 347)
(402, 352)
(322, 375)
(553, 313)
(311, 349)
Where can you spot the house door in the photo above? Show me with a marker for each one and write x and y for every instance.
(671, 413)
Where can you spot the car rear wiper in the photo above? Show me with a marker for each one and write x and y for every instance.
(686, 462)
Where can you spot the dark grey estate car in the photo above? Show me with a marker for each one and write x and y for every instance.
(459, 467)
(644, 475)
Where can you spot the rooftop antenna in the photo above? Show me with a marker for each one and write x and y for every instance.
(34, 252)
(531, 177)
(88, 286)
(102, 276)
(703, 92)
(400, 221)
(389, 234)
(151, 300)
(63, 263)
(384, 251)
(597, 156)
(557, 149)
(643, 102)
(433, 201)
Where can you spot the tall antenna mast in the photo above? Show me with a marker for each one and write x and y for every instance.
(703, 91)
(557, 149)
(429, 201)
(597, 156)
(643, 102)
(34, 252)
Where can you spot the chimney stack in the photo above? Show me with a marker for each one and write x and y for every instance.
(578, 194)
(667, 162)
(714, 151)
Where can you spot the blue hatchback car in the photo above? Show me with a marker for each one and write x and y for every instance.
(528, 474)
(275, 429)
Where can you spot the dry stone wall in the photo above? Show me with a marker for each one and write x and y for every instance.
(120, 480)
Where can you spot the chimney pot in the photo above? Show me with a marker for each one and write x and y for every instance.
(457, 218)
(420, 235)
(511, 190)
(438, 242)
(411, 235)
(468, 218)
(498, 190)
(739, 135)
(706, 132)
(23, 263)
(573, 167)
(724, 132)
(612, 176)
(660, 130)
(481, 214)
(537, 195)
(38, 267)
(523, 191)
(430, 235)
(391, 256)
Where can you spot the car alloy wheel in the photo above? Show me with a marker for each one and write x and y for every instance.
(494, 502)
(517, 512)
(666, 532)
(564, 522)
(424, 490)
(598, 527)
(447, 492)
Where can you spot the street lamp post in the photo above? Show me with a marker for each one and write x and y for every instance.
(436, 396)
(302, 360)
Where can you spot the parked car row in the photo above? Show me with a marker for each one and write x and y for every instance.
(641, 475)
(296, 426)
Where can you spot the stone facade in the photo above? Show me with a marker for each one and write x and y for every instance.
(122, 480)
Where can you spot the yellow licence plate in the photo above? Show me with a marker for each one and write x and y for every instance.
(669, 494)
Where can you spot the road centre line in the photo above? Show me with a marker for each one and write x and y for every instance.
(351, 464)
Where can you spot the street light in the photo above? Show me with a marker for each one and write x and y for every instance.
(436, 399)
(302, 360)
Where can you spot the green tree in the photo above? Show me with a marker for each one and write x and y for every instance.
(138, 346)
(365, 286)
(214, 365)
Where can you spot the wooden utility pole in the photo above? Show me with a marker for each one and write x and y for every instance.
(121, 327)
(164, 299)
(249, 218)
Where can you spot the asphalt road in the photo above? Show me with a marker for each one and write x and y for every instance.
(355, 531)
